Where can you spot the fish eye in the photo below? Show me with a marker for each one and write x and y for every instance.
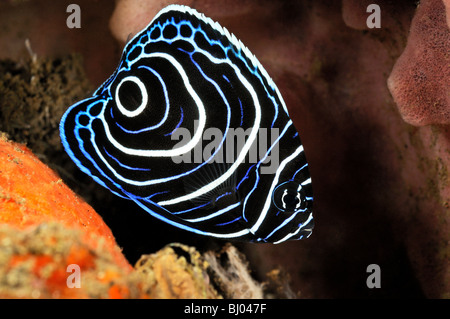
(131, 96)
(288, 197)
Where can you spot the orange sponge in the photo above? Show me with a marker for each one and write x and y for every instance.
(54, 245)
(31, 194)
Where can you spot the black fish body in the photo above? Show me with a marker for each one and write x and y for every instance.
(193, 130)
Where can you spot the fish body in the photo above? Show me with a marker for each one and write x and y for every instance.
(192, 129)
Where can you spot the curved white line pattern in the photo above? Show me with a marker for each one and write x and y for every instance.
(290, 235)
(224, 31)
(166, 98)
(251, 138)
(172, 152)
(195, 139)
(237, 234)
(218, 213)
(268, 201)
(144, 94)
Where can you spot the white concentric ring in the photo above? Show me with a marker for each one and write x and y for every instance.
(170, 152)
(144, 94)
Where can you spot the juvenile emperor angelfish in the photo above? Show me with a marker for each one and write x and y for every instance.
(192, 129)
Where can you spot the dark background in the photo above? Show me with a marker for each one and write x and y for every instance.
(378, 181)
